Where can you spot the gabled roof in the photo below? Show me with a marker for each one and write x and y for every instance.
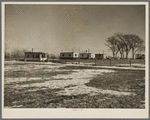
(85, 53)
(68, 52)
(98, 54)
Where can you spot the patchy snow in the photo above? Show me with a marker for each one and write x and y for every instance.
(79, 79)
(89, 90)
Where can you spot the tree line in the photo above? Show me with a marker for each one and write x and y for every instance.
(124, 43)
(15, 53)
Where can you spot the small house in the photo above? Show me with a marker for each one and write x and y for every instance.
(100, 56)
(68, 55)
(35, 56)
(85, 55)
(139, 56)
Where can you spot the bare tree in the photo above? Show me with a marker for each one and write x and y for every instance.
(51, 56)
(136, 43)
(125, 42)
(7, 54)
(18, 53)
(120, 45)
(111, 42)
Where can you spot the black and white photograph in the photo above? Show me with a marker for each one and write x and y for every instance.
(76, 57)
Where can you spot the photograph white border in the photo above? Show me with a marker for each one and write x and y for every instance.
(85, 113)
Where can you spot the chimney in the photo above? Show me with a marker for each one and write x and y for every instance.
(32, 49)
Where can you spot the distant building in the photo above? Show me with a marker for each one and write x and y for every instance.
(85, 55)
(35, 56)
(139, 56)
(100, 56)
(68, 55)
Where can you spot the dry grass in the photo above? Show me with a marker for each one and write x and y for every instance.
(46, 85)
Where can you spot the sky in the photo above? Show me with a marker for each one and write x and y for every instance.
(53, 28)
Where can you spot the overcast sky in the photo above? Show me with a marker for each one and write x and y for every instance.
(53, 28)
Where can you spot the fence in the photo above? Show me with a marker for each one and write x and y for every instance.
(98, 62)
(105, 62)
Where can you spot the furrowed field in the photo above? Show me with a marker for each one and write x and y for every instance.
(72, 85)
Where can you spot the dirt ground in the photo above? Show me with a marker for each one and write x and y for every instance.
(55, 85)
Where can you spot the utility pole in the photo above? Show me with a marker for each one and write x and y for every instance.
(130, 62)
(95, 62)
(103, 54)
(79, 56)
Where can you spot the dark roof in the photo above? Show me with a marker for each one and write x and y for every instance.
(67, 52)
(98, 54)
(84, 53)
(34, 53)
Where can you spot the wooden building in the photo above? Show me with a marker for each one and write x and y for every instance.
(139, 56)
(35, 56)
(100, 56)
(85, 55)
(68, 55)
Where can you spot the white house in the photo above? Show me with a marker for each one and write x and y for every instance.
(68, 55)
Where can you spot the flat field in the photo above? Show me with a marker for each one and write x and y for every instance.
(56, 85)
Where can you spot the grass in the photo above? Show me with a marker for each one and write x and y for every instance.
(123, 81)
(120, 80)
(47, 99)
(34, 73)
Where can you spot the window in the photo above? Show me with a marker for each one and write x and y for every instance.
(62, 54)
(75, 54)
(69, 54)
(27, 56)
(37, 56)
(82, 55)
